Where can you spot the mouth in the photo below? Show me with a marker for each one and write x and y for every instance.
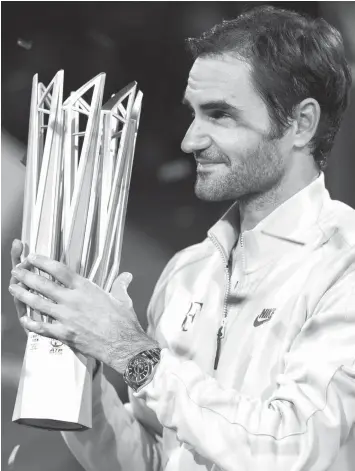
(207, 162)
(206, 165)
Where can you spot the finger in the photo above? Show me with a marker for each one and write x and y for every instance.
(46, 329)
(58, 270)
(24, 264)
(20, 307)
(16, 251)
(120, 285)
(40, 284)
(124, 279)
(35, 301)
(14, 281)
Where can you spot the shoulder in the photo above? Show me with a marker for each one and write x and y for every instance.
(333, 272)
(337, 221)
(184, 262)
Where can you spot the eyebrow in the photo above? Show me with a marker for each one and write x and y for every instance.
(222, 105)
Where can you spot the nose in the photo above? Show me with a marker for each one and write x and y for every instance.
(195, 139)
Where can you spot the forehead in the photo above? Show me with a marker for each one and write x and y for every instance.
(223, 77)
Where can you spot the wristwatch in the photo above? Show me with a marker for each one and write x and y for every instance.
(139, 370)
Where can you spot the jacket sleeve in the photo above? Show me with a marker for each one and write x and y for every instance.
(123, 436)
(117, 440)
(304, 422)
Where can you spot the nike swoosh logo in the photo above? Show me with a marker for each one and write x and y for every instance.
(265, 316)
(258, 322)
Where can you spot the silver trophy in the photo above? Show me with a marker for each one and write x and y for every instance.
(79, 165)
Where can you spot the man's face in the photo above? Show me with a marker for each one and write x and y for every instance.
(231, 136)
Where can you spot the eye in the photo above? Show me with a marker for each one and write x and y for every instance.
(218, 114)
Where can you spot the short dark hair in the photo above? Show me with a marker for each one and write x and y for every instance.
(293, 57)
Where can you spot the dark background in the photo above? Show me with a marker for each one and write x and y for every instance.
(142, 41)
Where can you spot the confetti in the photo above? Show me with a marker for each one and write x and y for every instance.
(24, 43)
(12, 457)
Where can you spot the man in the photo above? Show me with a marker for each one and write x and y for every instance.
(257, 323)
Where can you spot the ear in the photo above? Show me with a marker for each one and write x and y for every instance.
(306, 118)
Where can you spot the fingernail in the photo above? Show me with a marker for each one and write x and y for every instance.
(16, 273)
(129, 277)
(31, 257)
(11, 289)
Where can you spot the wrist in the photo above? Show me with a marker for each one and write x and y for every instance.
(141, 368)
(120, 358)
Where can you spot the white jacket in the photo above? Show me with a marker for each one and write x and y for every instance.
(283, 395)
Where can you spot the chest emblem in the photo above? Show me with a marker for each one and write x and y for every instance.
(265, 316)
(194, 309)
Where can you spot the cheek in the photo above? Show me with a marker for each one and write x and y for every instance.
(237, 144)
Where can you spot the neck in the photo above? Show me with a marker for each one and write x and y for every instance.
(259, 206)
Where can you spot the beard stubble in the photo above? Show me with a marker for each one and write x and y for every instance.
(248, 174)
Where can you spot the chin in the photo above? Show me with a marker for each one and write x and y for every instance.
(211, 193)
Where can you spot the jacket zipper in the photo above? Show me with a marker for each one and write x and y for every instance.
(242, 249)
(227, 263)
(222, 328)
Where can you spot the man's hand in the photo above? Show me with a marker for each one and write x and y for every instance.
(16, 251)
(86, 318)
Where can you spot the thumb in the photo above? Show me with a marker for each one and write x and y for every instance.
(122, 281)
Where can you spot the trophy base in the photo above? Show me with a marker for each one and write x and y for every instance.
(55, 390)
(50, 424)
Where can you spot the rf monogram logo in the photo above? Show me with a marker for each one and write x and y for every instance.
(195, 308)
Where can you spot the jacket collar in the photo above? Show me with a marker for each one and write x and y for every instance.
(291, 226)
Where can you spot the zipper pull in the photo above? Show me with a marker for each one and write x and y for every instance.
(218, 349)
(220, 336)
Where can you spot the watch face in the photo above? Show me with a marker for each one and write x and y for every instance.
(138, 370)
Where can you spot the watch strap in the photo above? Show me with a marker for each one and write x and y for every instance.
(153, 354)
(153, 357)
